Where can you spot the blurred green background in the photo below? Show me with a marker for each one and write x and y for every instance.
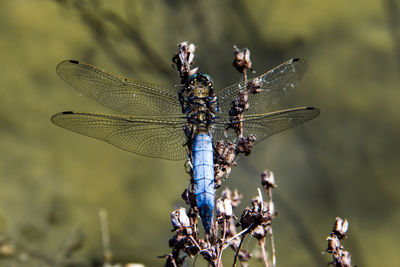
(344, 163)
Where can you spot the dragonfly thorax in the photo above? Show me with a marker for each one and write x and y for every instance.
(201, 101)
(201, 85)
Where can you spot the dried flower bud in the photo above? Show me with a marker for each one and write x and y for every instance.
(186, 53)
(345, 258)
(333, 243)
(259, 232)
(268, 180)
(179, 219)
(236, 198)
(176, 241)
(244, 257)
(242, 101)
(245, 145)
(256, 203)
(340, 227)
(217, 178)
(239, 55)
(230, 153)
(219, 148)
(226, 194)
(247, 218)
(220, 209)
(190, 53)
(224, 208)
(184, 59)
(228, 208)
(254, 86)
(242, 60)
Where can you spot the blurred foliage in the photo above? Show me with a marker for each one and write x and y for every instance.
(345, 163)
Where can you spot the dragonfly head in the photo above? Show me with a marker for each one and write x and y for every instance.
(202, 85)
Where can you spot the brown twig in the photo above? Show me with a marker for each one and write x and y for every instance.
(105, 236)
(238, 250)
(272, 247)
(263, 252)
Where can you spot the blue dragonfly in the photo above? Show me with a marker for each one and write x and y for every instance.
(167, 123)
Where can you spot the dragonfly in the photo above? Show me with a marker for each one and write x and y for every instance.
(161, 122)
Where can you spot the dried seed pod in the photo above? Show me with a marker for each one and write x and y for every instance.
(333, 243)
(179, 219)
(236, 198)
(268, 180)
(184, 59)
(345, 258)
(340, 227)
(226, 194)
(254, 86)
(176, 241)
(228, 208)
(246, 144)
(220, 209)
(256, 204)
(247, 218)
(259, 232)
(241, 60)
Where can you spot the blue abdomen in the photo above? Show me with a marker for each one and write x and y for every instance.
(203, 168)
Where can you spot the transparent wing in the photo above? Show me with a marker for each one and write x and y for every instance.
(265, 125)
(148, 137)
(274, 85)
(119, 93)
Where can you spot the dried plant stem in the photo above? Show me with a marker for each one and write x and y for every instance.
(270, 194)
(245, 76)
(221, 246)
(272, 247)
(194, 242)
(224, 231)
(263, 252)
(105, 235)
(219, 258)
(261, 198)
(238, 250)
(240, 233)
(271, 234)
